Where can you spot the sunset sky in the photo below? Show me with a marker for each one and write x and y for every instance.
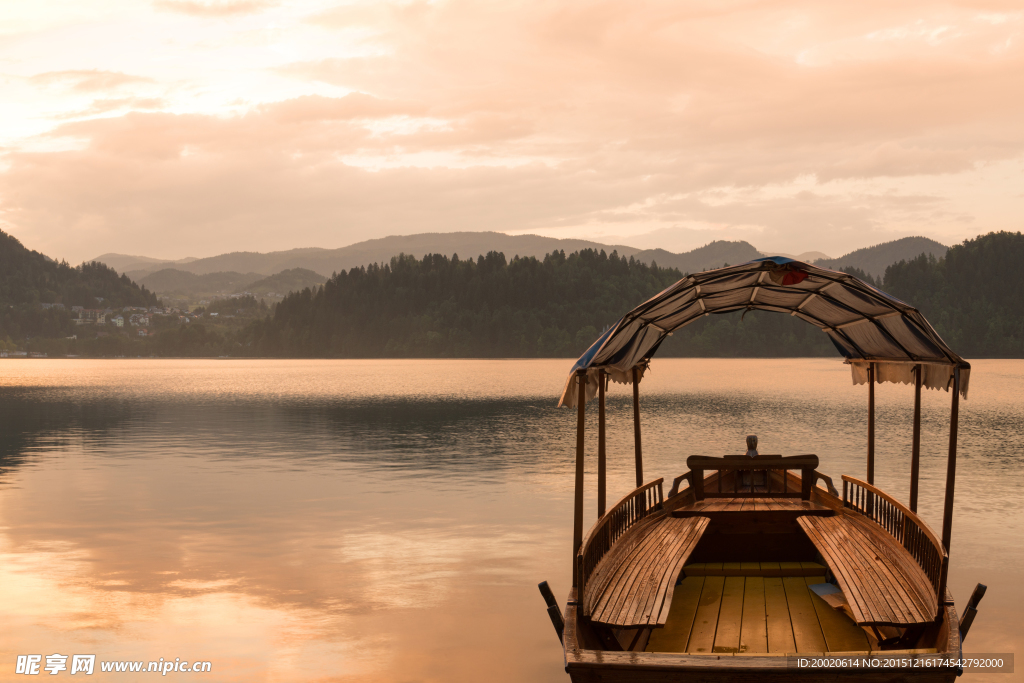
(179, 128)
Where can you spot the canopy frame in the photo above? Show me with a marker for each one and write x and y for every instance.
(793, 287)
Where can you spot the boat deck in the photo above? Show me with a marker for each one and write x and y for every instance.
(767, 609)
(753, 504)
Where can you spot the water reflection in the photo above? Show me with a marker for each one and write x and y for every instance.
(299, 520)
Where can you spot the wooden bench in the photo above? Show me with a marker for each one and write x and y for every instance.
(734, 465)
(883, 584)
(632, 586)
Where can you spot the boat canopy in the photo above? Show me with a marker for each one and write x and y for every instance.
(866, 325)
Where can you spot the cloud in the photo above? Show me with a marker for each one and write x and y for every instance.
(92, 80)
(110, 104)
(569, 118)
(212, 9)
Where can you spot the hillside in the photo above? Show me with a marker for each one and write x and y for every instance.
(125, 263)
(874, 260)
(29, 280)
(492, 307)
(325, 262)
(286, 281)
(972, 296)
(329, 261)
(171, 281)
(713, 255)
(466, 244)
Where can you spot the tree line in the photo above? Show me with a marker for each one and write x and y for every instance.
(556, 307)
(491, 307)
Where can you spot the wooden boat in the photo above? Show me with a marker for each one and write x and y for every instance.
(750, 564)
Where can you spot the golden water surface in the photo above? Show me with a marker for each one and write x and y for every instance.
(389, 520)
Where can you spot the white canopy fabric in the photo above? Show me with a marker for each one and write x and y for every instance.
(865, 324)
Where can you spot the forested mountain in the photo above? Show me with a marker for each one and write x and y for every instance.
(495, 307)
(490, 307)
(380, 250)
(293, 280)
(180, 282)
(441, 307)
(972, 296)
(468, 244)
(710, 256)
(874, 260)
(28, 280)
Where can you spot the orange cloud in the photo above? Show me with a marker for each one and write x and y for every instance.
(212, 9)
(799, 122)
(88, 80)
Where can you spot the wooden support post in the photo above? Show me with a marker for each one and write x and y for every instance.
(871, 423)
(602, 471)
(915, 452)
(947, 510)
(577, 522)
(636, 429)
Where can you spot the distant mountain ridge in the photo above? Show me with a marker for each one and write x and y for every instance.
(874, 260)
(174, 281)
(125, 263)
(465, 244)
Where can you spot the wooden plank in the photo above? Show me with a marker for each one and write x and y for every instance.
(806, 629)
(910, 575)
(614, 592)
(644, 570)
(730, 616)
(604, 572)
(780, 628)
(638, 589)
(872, 574)
(847, 570)
(841, 633)
(754, 632)
(682, 536)
(674, 636)
(702, 636)
(688, 531)
(847, 574)
(885, 572)
(622, 580)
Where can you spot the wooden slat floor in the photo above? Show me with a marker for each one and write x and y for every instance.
(755, 614)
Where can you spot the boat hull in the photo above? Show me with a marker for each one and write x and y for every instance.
(585, 665)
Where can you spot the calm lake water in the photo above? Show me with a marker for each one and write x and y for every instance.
(389, 520)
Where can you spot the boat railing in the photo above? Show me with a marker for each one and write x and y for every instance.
(900, 523)
(678, 481)
(620, 518)
(818, 476)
